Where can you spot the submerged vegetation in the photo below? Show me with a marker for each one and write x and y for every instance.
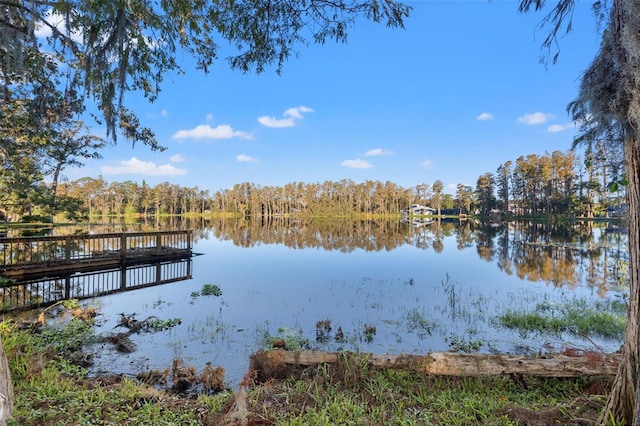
(604, 318)
(469, 322)
(211, 290)
(50, 363)
(207, 290)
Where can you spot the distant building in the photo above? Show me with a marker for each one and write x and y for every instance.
(419, 210)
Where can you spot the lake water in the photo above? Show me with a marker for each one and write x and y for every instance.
(424, 287)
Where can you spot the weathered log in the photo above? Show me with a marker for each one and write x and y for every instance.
(459, 364)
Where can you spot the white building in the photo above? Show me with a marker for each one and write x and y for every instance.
(419, 210)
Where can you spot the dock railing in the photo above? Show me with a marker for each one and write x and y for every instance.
(36, 252)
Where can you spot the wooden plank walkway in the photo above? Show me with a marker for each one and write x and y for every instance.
(29, 257)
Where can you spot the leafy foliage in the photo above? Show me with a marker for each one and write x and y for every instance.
(58, 59)
(99, 51)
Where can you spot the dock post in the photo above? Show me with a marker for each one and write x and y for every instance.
(67, 248)
(123, 248)
(67, 287)
(123, 277)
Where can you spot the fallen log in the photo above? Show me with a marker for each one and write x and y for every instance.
(273, 364)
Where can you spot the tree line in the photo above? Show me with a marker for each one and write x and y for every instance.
(550, 184)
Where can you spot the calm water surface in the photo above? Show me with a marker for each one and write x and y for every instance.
(418, 298)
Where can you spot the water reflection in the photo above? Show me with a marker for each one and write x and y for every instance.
(46, 291)
(562, 254)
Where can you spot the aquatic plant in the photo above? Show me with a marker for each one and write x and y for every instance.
(211, 290)
(287, 338)
(323, 328)
(603, 318)
(207, 290)
(418, 323)
(459, 344)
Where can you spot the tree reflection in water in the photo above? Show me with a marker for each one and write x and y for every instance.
(564, 254)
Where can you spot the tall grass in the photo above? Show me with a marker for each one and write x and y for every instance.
(578, 316)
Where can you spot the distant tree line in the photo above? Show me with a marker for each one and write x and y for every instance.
(551, 184)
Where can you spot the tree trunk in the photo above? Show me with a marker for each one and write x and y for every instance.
(54, 180)
(6, 388)
(622, 403)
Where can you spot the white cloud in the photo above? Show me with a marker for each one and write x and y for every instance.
(139, 167)
(485, 116)
(427, 164)
(205, 131)
(56, 20)
(274, 122)
(292, 116)
(561, 127)
(535, 118)
(242, 158)
(158, 115)
(296, 112)
(178, 158)
(378, 151)
(357, 164)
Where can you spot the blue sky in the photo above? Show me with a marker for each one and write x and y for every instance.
(452, 96)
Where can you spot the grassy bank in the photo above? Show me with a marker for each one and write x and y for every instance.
(52, 387)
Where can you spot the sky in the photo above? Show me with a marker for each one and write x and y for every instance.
(454, 95)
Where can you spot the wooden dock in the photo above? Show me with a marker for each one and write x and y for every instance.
(31, 257)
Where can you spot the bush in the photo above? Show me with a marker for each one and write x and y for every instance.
(35, 218)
